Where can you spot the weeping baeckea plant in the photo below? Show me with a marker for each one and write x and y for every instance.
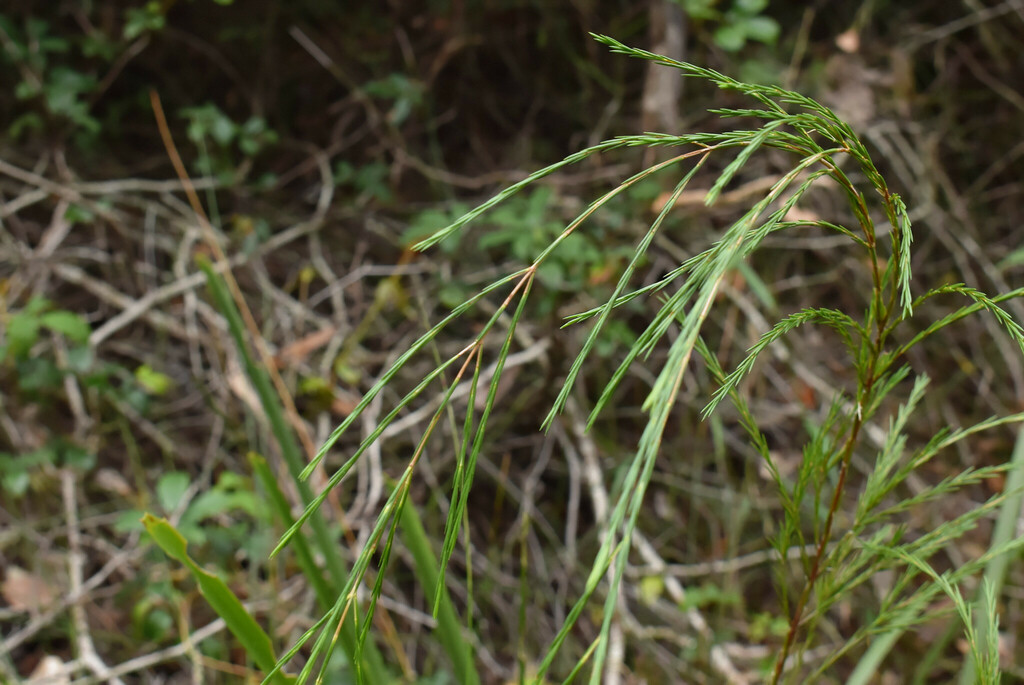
(841, 552)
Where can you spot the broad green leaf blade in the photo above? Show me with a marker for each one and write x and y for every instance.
(221, 599)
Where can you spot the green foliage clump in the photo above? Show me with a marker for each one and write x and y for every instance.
(61, 74)
(39, 378)
(743, 21)
(838, 554)
(209, 124)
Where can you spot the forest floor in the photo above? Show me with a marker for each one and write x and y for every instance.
(321, 145)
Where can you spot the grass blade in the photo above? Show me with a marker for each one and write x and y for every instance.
(449, 629)
(221, 599)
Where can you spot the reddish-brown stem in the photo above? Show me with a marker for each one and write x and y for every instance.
(812, 576)
(819, 554)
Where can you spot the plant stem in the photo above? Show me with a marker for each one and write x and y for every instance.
(864, 396)
(819, 554)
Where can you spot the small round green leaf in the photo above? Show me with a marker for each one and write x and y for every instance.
(751, 6)
(70, 325)
(761, 29)
(154, 382)
(22, 333)
(730, 37)
(171, 488)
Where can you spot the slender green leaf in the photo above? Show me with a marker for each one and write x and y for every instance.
(221, 599)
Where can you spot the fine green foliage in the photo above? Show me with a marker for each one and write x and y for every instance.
(840, 552)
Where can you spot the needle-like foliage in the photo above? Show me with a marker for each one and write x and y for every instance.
(841, 552)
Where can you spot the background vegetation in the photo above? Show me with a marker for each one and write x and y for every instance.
(324, 141)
